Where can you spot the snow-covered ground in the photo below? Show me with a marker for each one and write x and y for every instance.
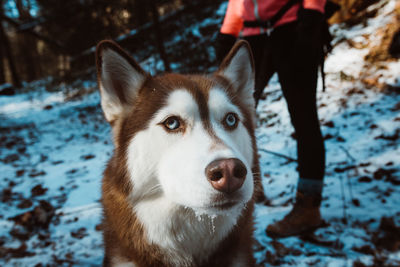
(55, 143)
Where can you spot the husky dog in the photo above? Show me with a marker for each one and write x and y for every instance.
(180, 187)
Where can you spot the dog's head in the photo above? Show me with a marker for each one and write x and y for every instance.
(188, 138)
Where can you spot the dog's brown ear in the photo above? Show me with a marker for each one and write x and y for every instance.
(238, 68)
(119, 77)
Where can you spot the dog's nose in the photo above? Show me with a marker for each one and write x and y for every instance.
(226, 175)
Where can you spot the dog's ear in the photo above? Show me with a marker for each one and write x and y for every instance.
(119, 77)
(238, 68)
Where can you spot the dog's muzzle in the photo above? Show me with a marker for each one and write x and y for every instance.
(226, 175)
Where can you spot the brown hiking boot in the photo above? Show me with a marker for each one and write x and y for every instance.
(304, 217)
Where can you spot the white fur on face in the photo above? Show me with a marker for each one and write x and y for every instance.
(147, 148)
(238, 140)
(177, 161)
(167, 171)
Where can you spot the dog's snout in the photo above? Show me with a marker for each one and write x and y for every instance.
(226, 175)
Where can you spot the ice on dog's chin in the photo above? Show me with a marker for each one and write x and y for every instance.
(212, 217)
(213, 213)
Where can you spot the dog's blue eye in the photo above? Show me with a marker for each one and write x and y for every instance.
(231, 120)
(172, 123)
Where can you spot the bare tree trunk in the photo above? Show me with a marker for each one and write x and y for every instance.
(2, 74)
(2, 69)
(7, 51)
(27, 45)
(158, 35)
(6, 44)
(140, 11)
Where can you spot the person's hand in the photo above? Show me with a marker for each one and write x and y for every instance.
(223, 45)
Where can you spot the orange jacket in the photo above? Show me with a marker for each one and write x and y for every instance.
(251, 10)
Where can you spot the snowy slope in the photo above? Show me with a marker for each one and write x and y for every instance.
(55, 143)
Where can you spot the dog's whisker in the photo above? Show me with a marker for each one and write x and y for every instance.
(147, 194)
(154, 190)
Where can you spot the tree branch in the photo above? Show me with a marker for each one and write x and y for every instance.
(290, 159)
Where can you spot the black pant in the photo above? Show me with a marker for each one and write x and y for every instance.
(296, 62)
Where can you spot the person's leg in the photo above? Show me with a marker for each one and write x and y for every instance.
(297, 70)
(263, 72)
(262, 62)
